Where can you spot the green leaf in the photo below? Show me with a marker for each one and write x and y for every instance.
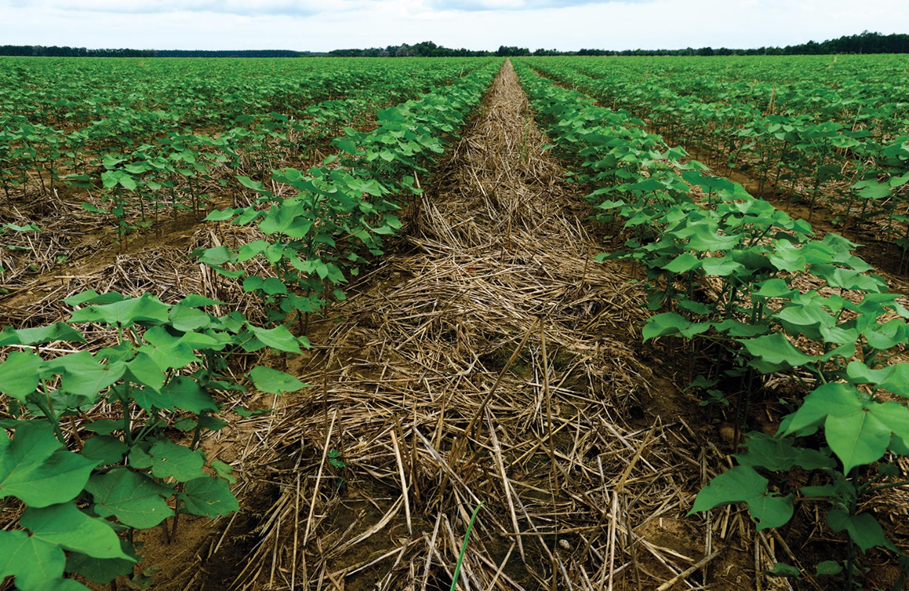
(139, 459)
(177, 461)
(19, 374)
(829, 567)
(217, 256)
(783, 570)
(863, 528)
(734, 328)
(721, 267)
(166, 350)
(251, 184)
(197, 301)
(672, 324)
(125, 313)
(66, 526)
(83, 375)
(780, 454)
(224, 471)
(92, 297)
(273, 381)
(208, 497)
(893, 378)
(346, 145)
(134, 499)
(36, 469)
(223, 215)
(277, 338)
(35, 563)
(143, 370)
(102, 570)
(43, 334)
(774, 288)
(774, 353)
(743, 484)
(858, 429)
(105, 449)
(186, 318)
(872, 189)
(683, 263)
(186, 394)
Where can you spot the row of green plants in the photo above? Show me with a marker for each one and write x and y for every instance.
(86, 497)
(105, 441)
(842, 143)
(721, 271)
(316, 239)
(195, 93)
(139, 177)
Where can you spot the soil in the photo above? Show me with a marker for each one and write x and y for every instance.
(484, 359)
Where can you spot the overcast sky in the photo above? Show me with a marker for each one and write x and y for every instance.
(320, 25)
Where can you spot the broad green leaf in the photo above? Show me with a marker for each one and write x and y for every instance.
(774, 288)
(186, 394)
(743, 484)
(735, 328)
(143, 370)
(829, 567)
(208, 497)
(125, 313)
(20, 373)
(66, 526)
(36, 469)
(224, 471)
(774, 353)
(863, 528)
(187, 318)
(893, 378)
(105, 449)
(778, 454)
(134, 499)
(277, 338)
(251, 184)
(858, 429)
(222, 215)
(273, 381)
(217, 256)
(93, 297)
(177, 461)
(83, 375)
(43, 334)
(683, 263)
(672, 324)
(721, 267)
(197, 301)
(784, 570)
(166, 350)
(102, 570)
(35, 563)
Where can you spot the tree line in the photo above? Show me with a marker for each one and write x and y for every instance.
(865, 42)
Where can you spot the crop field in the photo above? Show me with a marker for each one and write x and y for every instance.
(454, 323)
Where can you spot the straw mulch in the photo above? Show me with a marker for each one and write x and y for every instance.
(488, 360)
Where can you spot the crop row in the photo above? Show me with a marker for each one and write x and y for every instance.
(95, 453)
(199, 94)
(726, 274)
(139, 163)
(831, 135)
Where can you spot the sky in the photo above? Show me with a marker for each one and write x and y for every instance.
(322, 25)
